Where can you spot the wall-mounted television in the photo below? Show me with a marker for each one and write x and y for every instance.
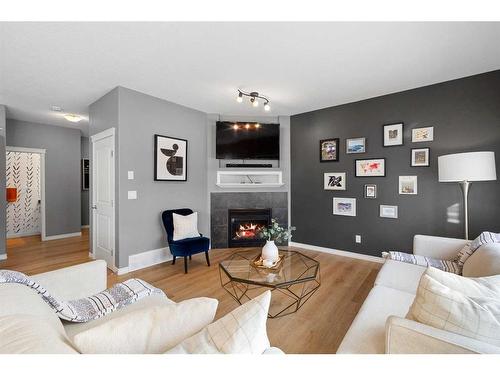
(247, 140)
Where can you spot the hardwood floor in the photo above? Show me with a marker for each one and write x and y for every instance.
(318, 327)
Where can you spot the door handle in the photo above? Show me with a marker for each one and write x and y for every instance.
(94, 207)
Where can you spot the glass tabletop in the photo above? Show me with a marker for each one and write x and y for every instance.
(294, 268)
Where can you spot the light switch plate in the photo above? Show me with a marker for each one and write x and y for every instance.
(132, 194)
(358, 238)
(130, 175)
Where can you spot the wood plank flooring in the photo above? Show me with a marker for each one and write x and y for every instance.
(318, 327)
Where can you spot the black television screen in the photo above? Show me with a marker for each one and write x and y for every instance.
(247, 140)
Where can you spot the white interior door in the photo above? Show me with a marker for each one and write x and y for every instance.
(103, 196)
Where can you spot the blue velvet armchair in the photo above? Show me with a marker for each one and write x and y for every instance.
(187, 247)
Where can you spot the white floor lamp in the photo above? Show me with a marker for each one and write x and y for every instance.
(465, 168)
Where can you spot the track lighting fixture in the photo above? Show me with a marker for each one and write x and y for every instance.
(254, 99)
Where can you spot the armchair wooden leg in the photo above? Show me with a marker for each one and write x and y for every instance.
(185, 265)
(173, 260)
(190, 257)
(208, 259)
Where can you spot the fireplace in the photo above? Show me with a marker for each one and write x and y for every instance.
(244, 225)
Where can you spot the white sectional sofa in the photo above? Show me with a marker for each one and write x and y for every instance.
(29, 325)
(381, 327)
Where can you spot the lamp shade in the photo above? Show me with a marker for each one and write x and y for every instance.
(467, 166)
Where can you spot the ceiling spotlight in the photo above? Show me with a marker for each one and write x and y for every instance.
(72, 118)
(254, 99)
(55, 108)
(235, 127)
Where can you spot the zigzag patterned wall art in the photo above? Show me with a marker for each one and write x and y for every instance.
(23, 172)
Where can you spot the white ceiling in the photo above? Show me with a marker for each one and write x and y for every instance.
(300, 66)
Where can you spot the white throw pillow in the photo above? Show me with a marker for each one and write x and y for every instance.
(484, 262)
(31, 334)
(466, 306)
(148, 331)
(242, 331)
(185, 226)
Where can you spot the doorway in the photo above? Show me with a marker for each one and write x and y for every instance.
(103, 196)
(25, 183)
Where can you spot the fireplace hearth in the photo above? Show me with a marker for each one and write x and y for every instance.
(244, 226)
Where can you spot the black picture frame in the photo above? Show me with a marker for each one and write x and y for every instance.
(184, 156)
(428, 157)
(337, 150)
(358, 160)
(402, 134)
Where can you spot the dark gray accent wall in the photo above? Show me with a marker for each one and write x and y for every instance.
(85, 193)
(62, 171)
(3, 208)
(465, 114)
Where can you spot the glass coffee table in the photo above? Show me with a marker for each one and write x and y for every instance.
(292, 284)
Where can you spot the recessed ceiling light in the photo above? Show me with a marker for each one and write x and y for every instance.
(73, 118)
(55, 108)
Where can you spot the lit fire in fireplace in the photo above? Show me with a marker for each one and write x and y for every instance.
(248, 230)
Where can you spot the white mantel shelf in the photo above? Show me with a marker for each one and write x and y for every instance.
(249, 179)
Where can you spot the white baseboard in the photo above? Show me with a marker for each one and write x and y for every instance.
(18, 235)
(148, 258)
(60, 236)
(85, 226)
(3, 256)
(119, 271)
(342, 253)
(91, 255)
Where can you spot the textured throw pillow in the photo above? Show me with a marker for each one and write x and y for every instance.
(31, 334)
(466, 306)
(185, 226)
(242, 331)
(148, 331)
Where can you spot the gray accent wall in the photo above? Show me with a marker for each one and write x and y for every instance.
(62, 171)
(465, 114)
(3, 208)
(85, 193)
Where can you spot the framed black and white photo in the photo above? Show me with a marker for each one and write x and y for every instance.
(370, 191)
(334, 181)
(408, 185)
(170, 158)
(369, 167)
(344, 206)
(420, 157)
(393, 134)
(390, 212)
(355, 145)
(329, 150)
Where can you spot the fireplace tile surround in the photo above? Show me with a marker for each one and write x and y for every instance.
(221, 202)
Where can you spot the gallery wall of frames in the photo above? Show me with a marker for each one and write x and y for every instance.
(377, 170)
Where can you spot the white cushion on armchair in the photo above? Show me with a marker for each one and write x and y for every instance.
(185, 226)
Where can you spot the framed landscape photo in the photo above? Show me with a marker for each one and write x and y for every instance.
(393, 134)
(390, 212)
(170, 158)
(344, 206)
(408, 185)
(370, 167)
(329, 150)
(422, 134)
(334, 181)
(420, 157)
(370, 191)
(355, 145)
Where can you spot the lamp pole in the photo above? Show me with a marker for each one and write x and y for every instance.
(465, 185)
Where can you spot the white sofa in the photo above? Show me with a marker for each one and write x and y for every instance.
(381, 327)
(65, 284)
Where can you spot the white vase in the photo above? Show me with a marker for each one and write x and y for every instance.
(270, 251)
